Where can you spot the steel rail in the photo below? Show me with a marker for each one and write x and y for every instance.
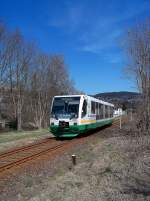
(32, 157)
(23, 148)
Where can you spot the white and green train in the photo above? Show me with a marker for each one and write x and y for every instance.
(72, 115)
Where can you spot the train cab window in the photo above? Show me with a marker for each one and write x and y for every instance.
(84, 108)
(93, 107)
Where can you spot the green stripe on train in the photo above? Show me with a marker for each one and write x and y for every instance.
(75, 130)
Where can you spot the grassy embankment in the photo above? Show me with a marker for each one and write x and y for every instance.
(13, 138)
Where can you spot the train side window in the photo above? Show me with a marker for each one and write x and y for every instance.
(104, 115)
(111, 112)
(84, 108)
(93, 107)
(99, 105)
(106, 111)
(97, 111)
(101, 111)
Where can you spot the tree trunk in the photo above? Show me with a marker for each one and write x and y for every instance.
(19, 119)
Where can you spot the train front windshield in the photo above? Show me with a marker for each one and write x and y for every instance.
(65, 107)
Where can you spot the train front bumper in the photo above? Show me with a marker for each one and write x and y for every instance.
(72, 131)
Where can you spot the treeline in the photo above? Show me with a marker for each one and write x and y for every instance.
(29, 78)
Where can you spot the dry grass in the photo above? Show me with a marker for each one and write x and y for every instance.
(110, 167)
(13, 139)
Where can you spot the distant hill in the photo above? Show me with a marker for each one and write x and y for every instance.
(122, 99)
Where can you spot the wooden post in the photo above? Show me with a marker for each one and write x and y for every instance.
(74, 159)
(131, 118)
(120, 122)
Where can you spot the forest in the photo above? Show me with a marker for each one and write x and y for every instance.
(29, 78)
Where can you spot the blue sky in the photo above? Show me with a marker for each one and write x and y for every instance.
(89, 33)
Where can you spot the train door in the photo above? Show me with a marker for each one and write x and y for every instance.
(84, 110)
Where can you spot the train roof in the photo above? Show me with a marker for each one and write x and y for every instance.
(90, 97)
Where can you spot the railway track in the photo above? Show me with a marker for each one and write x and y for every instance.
(26, 147)
(19, 156)
(23, 155)
(11, 162)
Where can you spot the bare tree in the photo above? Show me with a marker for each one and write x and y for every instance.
(3, 54)
(20, 56)
(39, 93)
(49, 78)
(30, 78)
(139, 53)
